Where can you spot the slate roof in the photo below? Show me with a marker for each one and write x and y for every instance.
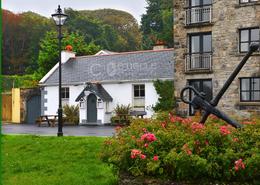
(128, 66)
(98, 90)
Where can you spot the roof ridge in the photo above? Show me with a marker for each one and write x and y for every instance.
(128, 52)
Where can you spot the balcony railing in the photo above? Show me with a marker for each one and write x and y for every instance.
(198, 62)
(198, 15)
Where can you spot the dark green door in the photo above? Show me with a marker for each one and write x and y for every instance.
(33, 108)
(92, 108)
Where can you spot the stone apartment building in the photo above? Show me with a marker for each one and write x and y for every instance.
(210, 38)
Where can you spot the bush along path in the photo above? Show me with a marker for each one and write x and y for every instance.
(175, 150)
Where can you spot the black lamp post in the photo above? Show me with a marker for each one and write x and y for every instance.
(59, 19)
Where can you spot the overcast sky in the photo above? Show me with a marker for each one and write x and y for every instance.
(47, 7)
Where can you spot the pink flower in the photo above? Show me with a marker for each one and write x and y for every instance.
(135, 153)
(249, 122)
(186, 120)
(187, 149)
(206, 142)
(118, 128)
(188, 152)
(224, 130)
(142, 156)
(146, 145)
(239, 165)
(155, 158)
(163, 124)
(144, 130)
(174, 119)
(213, 117)
(148, 137)
(197, 127)
(235, 139)
(197, 142)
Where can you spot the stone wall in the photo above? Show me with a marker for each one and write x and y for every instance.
(227, 18)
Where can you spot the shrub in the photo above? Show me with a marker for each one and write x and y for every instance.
(122, 109)
(179, 149)
(122, 116)
(71, 114)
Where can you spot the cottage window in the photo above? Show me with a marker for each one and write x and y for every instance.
(250, 89)
(139, 96)
(248, 36)
(65, 93)
(139, 91)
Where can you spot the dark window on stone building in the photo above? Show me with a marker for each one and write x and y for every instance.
(202, 85)
(199, 3)
(247, 1)
(248, 36)
(200, 43)
(250, 89)
(65, 93)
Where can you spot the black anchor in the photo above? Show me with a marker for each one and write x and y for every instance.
(198, 101)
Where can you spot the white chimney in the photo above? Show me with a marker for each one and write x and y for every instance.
(66, 55)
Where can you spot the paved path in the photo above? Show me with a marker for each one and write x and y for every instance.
(52, 131)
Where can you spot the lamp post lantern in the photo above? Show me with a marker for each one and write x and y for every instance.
(59, 19)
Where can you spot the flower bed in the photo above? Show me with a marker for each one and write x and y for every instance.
(180, 149)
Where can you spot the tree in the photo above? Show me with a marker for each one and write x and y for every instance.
(111, 29)
(157, 23)
(21, 36)
(49, 51)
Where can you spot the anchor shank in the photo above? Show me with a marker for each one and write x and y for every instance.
(215, 101)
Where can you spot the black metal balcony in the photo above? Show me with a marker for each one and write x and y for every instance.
(197, 15)
(198, 62)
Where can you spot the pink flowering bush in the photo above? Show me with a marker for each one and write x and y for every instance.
(180, 149)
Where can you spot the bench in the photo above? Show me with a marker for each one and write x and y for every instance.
(50, 119)
(138, 113)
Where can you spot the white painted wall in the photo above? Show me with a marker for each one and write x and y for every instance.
(122, 93)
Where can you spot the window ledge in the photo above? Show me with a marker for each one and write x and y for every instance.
(247, 4)
(248, 103)
(243, 54)
(200, 24)
(198, 71)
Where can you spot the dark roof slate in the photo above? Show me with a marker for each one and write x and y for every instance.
(98, 90)
(141, 65)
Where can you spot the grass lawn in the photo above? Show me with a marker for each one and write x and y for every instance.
(40, 160)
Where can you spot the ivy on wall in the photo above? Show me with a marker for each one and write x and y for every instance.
(165, 90)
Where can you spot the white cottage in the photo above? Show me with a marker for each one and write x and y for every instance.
(98, 83)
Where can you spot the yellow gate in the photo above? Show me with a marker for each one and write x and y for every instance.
(7, 107)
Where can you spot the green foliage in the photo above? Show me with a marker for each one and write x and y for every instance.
(120, 29)
(183, 150)
(165, 90)
(49, 52)
(21, 36)
(36, 160)
(16, 81)
(122, 116)
(71, 114)
(157, 23)
(122, 109)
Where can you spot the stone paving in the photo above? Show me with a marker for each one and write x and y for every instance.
(52, 131)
